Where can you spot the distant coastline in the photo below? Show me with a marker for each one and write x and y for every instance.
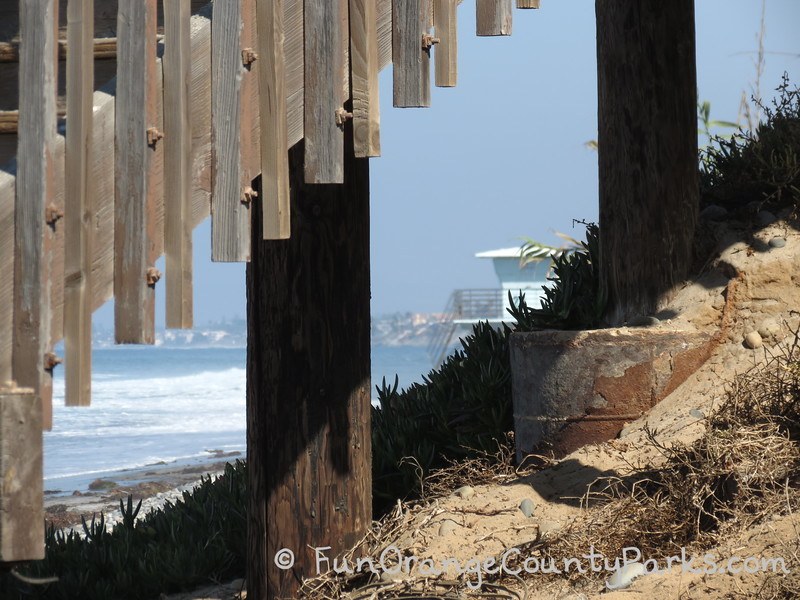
(395, 329)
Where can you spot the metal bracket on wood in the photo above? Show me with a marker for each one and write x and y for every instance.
(152, 276)
(342, 116)
(153, 135)
(249, 56)
(428, 41)
(51, 360)
(52, 214)
(248, 195)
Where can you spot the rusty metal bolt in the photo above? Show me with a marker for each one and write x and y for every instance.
(342, 116)
(153, 135)
(249, 57)
(50, 361)
(52, 214)
(428, 40)
(152, 276)
(248, 195)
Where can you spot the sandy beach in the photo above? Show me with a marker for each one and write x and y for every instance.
(154, 484)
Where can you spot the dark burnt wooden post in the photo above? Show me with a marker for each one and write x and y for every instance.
(647, 120)
(308, 374)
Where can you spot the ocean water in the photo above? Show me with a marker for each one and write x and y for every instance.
(153, 404)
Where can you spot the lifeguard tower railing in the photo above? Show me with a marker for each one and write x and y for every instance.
(124, 125)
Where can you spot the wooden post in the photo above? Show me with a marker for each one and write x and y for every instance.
(411, 53)
(135, 140)
(647, 102)
(79, 204)
(177, 163)
(230, 201)
(324, 71)
(493, 17)
(308, 373)
(35, 213)
(445, 26)
(364, 78)
(274, 130)
(21, 495)
(528, 3)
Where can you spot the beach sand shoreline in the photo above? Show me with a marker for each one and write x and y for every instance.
(68, 499)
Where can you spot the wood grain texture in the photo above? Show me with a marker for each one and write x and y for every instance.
(7, 195)
(230, 217)
(647, 136)
(384, 9)
(78, 206)
(134, 231)
(200, 107)
(412, 80)
(250, 120)
(21, 495)
(35, 191)
(493, 17)
(528, 3)
(324, 141)
(364, 78)
(445, 25)
(308, 373)
(177, 164)
(274, 200)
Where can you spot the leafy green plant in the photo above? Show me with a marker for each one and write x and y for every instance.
(576, 299)
(757, 165)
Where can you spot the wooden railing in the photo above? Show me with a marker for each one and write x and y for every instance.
(195, 119)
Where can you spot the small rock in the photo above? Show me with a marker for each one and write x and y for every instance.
(753, 340)
(714, 212)
(447, 526)
(546, 527)
(764, 217)
(625, 575)
(465, 492)
(527, 506)
(769, 329)
(777, 242)
(643, 321)
(697, 413)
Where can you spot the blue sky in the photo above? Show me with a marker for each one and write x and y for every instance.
(501, 156)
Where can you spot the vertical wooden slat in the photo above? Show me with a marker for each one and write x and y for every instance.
(22, 517)
(412, 81)
(136, 137)
(7, 195)
(79, 204)
(324, 139)
(274, 129)
(446, 53)
(36, 182)
(528, 3)
(384, 8)
(493, 17)
(250, 120)
(230, 216)
(364, 78)
(177, 163)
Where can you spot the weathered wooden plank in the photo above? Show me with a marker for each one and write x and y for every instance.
(103, 181)
(250, 120)
(324, 138)
(230, 210)
(7, 195)
(295, 68)
(136, 138)
(78, 206)
(364, 78)
(528, 3)
(22, 516)
(35, 190)
(200, 107)
(274, 130)
(384, 9)
(445, 26)
(412, 80)
(177, 164)
(493, 17)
